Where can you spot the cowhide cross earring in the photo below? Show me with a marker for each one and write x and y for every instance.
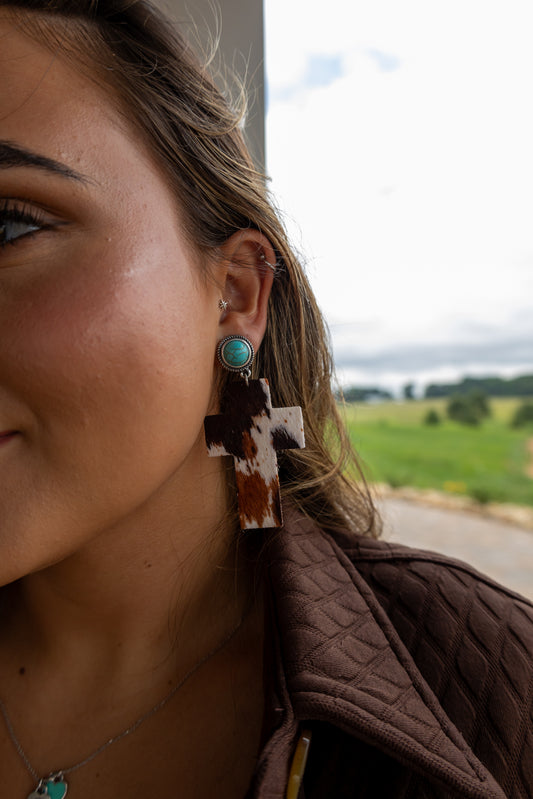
(252, 431)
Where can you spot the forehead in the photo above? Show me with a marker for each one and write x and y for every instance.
(49, 106)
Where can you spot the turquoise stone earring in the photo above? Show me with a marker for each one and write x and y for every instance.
(235, 353)
(252, 432)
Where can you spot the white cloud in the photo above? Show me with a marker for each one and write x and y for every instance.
(413, 187)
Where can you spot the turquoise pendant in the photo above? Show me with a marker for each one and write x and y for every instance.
(54, 787)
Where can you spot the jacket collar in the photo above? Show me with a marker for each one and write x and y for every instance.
(344, 663)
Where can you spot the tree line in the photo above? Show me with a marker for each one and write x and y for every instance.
(364, 394)
(472, 408)
(490, 386)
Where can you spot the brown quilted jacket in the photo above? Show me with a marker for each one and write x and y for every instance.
(413, 672)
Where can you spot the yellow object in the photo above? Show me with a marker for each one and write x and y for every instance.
(298, 764)
(454, 487)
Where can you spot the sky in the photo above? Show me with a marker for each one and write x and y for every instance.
(400, 150)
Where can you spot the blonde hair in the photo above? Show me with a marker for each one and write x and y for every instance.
(195, 134)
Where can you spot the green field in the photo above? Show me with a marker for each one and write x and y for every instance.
(487, 462)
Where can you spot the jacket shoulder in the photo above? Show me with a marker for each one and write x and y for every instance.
(375, 558)
(472, 641)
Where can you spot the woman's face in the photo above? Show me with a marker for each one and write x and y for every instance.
(107, 330)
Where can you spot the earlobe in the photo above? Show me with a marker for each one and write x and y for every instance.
(248, 275)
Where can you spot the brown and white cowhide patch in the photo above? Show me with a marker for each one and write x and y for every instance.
(252, 431)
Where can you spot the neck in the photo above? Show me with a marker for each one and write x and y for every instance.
(119, 606)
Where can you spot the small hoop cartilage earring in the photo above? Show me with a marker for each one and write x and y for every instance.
(252, 432)
(223, 305)
(262, 257)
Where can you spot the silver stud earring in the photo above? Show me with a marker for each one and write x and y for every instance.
(223, 305)
(262, 257)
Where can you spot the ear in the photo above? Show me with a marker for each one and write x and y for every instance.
(248, 272)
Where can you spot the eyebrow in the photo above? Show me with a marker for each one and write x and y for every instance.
(11, 155)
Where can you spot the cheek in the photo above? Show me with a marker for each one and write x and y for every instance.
(111, 347)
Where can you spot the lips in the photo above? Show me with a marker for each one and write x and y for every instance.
(7, 435)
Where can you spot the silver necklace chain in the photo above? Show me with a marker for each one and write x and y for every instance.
(129, 730)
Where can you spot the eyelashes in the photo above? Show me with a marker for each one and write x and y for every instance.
(19, 221)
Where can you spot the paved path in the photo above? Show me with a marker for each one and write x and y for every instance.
(500, 550)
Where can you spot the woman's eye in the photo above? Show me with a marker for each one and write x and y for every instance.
(18, 222)
(11, 231)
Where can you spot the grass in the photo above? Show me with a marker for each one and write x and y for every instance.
(488, 462)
